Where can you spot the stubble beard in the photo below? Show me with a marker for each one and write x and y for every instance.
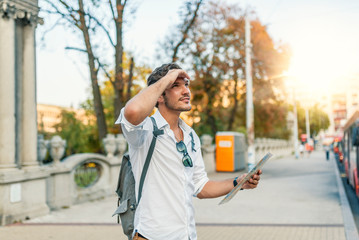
(176, 108)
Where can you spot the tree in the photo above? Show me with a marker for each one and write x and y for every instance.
(215, 49)
(318, 120)
(79, 137)
(87, 19)
(107, 92)
(176, 38)
(80, 132)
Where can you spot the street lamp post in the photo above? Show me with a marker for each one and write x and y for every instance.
(249, 95)
(295, 127)
(307, 126)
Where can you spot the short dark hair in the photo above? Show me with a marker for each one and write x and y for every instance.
(160, 72)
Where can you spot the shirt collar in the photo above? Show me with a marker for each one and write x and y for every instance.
(184, 126)
(161, 122)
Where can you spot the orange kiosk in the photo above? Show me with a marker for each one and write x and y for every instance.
(230, 151)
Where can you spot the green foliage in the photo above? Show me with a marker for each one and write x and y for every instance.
(108, 96)
(271, 120)
(318, 120)
(87, 174)
(79, 137)
(82, 135)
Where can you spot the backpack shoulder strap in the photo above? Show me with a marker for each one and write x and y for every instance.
(156, 132)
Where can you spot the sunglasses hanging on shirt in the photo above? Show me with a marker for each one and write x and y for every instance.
(186, 160)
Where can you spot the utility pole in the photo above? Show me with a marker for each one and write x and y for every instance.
(249, 95)
(307, 123)
(295, 127)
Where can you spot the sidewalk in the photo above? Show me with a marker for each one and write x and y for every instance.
(296, 199)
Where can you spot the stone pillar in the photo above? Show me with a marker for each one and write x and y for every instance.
(7, 91)
(28, 118)
(23, 191)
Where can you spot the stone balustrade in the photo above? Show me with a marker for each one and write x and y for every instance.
(114, 145)
(208, 153)
(278, 147)
(80, 177)
(57, 148)
(87, 176)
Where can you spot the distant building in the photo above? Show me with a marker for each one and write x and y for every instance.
(50, 115)
(339, 109)
(339, 99)
(341, 102)
(352, 93)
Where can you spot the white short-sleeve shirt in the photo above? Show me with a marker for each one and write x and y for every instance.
(165, 210)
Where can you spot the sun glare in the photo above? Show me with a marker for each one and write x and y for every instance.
(320, 56)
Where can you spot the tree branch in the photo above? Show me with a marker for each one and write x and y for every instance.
(185, 32)
(124, 4)
(76, 49)
(102, 27)
(111, 8)
(104, 70)
(71, 11)
(69, 16)
(97, 60)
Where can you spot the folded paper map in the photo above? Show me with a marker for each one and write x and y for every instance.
(253, 171)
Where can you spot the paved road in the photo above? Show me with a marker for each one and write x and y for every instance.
(296, 199)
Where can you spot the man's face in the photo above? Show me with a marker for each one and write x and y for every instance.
(178, 96)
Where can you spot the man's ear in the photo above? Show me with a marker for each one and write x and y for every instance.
(161, 99)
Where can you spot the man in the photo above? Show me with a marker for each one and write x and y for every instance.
(326, 148)
(176, 172)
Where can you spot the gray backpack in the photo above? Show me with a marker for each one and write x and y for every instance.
(126, 187)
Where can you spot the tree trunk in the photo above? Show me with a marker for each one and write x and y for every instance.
(235, 105)
(119, 84)
(185, 32)
(98, 107)
(129, 84)
(208, 109)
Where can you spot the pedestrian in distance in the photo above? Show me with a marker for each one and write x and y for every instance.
(308, 148)
(301, 150)
(176, 172)
(326, 148)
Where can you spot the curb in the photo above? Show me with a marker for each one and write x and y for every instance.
(350, 229)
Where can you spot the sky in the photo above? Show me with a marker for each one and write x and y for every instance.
(323, 35)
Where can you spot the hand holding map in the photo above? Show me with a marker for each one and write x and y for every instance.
(259, 165)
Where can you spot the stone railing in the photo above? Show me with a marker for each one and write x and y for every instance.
(56, 147)
(80, 177)
(278, 147)
(88, 176)
(208, 153)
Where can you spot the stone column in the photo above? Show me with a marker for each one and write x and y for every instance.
(28, 118)
(7, 92)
